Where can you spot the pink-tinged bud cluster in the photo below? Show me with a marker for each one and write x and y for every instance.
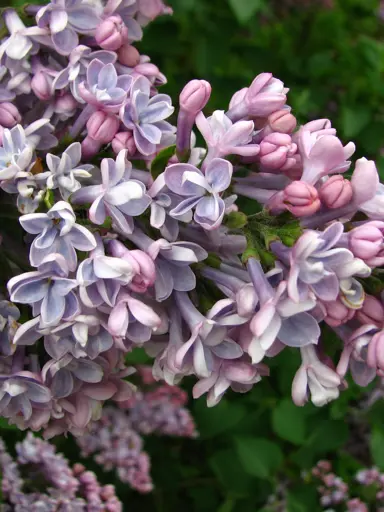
(102, 126)
(112, 33)
(366, 242)
(194, 97)
(124, 140)
(276, 152)
(336, 192)
(9, 115)
(337, 313)
(371, 312)
(301, 199)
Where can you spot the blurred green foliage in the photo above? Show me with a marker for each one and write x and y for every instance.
(331, 59)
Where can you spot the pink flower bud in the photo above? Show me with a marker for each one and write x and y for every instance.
(282, 121)
(142, 265)
(301, 199)
(366, 242)
(65, 106)
(41, 85)
(195, 96)
(276, 152)
(102, 126)
(337, 313)
(9, 115)
(124, 140)
(89, 148)
(372, 311)
(128, 55)
(112, 33)
(336, 192)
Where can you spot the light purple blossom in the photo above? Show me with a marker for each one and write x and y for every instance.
(76, 71)
(103, 89)
(279, 317)
(15, 154)
(48, 289)
(65, 170)
(100, 277)
(226, 138)
(320, 266)
(240, 375)
(57, 233)
(118, 196)
(65, 19)
(145, 116)
(202, 191)
(208, 339)
(20, 393)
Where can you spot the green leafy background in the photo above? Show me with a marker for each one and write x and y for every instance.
(333, 61)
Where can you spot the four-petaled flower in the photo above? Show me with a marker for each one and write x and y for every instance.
(202, 191)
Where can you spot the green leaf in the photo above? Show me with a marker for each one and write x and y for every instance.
(214, 421)
(302, 499)
(245, 9)
(288, 422)
(260, 457)
(137, 356)
(328, 436)
(160, 162)
(230, 473)
(355, 120)
(377, 447)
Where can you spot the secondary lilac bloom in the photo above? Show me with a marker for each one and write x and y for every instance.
(48, 289)
(100, 277)
(319, 266)
(57, 233)
(145, 116)
(65, 170)
(314, 378)
(223, 137)
(15, 154)
(279, 317)
(202, 191)
(39, 134)
(133, 319)
(9, 314)
(118, 196)
(76, 71)
(240, 375)
(20, 393)
(65, 19)
(208, 339)
(103, 89)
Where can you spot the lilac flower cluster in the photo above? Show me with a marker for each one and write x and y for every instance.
(335, 491)
(38, 464)
(115, 440)
(137, 237)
